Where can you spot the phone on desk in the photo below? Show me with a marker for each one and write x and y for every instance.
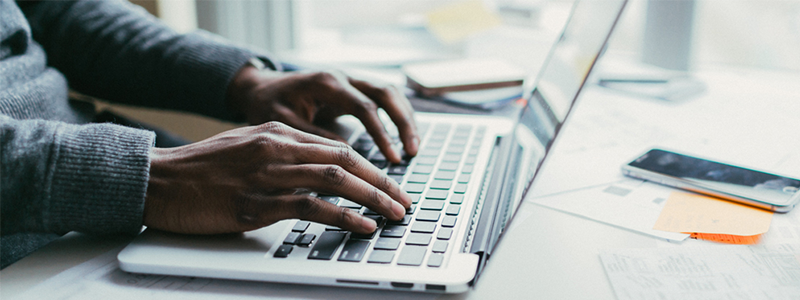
(760, 189)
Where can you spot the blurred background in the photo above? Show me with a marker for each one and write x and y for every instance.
(756, 33)
(375, 37)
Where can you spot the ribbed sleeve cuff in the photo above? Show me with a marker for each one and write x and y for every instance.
(98, 179)
(207, 68)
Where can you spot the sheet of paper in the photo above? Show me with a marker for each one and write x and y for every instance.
(101, 279)
(714, 272)
(685, 212)
(628, 203)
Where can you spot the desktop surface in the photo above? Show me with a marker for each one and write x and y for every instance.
(545, 253)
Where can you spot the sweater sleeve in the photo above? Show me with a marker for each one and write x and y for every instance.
(116, 51)
(58, 177)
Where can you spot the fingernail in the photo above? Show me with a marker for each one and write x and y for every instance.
(416, 144)
(399, 210)
(368, 224)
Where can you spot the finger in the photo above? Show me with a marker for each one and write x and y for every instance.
(335, 87)
(367, 113)
(344, 156)
(399, 110)
(336, 180)
(313, 209)
(293, 120)
(283, 130)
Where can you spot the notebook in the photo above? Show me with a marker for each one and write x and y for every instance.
(468, 179)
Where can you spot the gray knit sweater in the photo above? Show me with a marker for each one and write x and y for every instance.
(60, 174)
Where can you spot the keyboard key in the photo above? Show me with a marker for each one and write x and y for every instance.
(306, 239)
(464, 127)
(467, 169)
(326, 245)
(349, 204)
(411, 209)
(458, 142)
(435, 144)
(354, 250)
(449, 221)
(397, 178)
(422, 169)
(426, 160)
(453, 209)
(455, 150)
(442, 127)
(380, 164)
(418, 178)
(415, 188)
(463, 178)
(406, 219)
(441, 184)
(428, 215)
(452, 158)
(378, 156)
(435, 260)
(368, 211)
(457, 198)
(333, 228)
(412, 255)
(460, 188)
(363, 147)
(393, 231)
(301, 226)
(415, 198)
(381, 257)
(421, 239)
(397, 170)
(283, 251)
(445, 175)
(448, 166)
(387, 243)
(330, 199)
(292, 238)
(444, 233)
(436, 194)
(432, 205)
(363, 236)
(428, 152)
(423, 227)
(471, 160)
(439, 247)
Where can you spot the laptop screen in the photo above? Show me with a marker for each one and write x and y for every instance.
(551, 95)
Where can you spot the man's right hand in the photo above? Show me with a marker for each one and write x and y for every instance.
(246, 178)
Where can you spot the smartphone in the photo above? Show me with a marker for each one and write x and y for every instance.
(760, 189)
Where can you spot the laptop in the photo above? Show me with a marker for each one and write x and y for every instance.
(468, 179)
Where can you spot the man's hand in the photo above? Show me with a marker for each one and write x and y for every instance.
(307, 100)
(245, 178)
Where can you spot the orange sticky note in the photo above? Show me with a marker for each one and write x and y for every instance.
(727, 238)
(692, 213)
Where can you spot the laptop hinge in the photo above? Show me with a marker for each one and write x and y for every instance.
(490, 214)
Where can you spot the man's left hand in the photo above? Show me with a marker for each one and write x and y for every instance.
(307, 100)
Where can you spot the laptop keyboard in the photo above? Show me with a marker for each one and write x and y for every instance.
(436, 179)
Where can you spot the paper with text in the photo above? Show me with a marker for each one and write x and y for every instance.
(719, 272)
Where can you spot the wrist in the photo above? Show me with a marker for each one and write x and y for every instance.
(245, 81)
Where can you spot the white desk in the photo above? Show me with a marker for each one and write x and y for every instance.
(546, 254)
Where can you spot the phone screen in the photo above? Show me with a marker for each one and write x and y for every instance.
(720, 177)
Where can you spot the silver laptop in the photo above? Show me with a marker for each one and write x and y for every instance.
(467, 181)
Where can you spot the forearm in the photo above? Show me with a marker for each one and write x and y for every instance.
(59, 177)
(111, 50)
